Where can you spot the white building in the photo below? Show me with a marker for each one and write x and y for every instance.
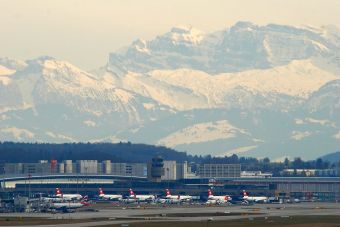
(176, 171)
(258, 174)
(87, 166)
(219, 170)
(170, 170)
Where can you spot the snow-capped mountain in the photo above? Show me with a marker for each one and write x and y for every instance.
(252, 90)
(244, 46)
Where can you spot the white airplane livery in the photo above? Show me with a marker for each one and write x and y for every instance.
(109, 196)
(213, 199)
(71, 205)
(140, 198)
(180, 198)
(256, 199)
(67, 196)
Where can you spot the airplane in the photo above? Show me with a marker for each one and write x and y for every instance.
(139, 198)
(213, 199)
(109, 196)
(52, 199)
(176, 198)
(67, 207)
(256, 199)
(67, 196)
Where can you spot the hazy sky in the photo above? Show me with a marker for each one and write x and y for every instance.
(85, 31)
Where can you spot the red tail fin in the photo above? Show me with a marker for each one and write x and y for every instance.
(245, 193)
(210, 192)
(85, 203)
(227, 198)
(58, 191)
(131, 192)
(167, 192)
(101, 192)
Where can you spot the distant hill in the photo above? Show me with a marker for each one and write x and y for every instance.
(332, 157)
(119, 152)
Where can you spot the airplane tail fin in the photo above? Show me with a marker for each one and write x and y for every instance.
(210, 193)
(245, 193)
(58, 191)
(131, 192)
(168, 192)
(101, 192)
(85, 203)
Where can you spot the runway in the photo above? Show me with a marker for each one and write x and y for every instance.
(182, 213)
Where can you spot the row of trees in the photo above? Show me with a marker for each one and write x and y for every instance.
(265, 165)
(120, 152)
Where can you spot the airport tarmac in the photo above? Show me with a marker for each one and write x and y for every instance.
(158, 213)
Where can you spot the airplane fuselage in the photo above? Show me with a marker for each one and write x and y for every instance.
(111, 197)
(142, 197)
(70, 196)
(255, 198)
(70, 205)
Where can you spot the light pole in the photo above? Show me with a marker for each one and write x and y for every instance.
(86, 180)
(29, 192)
(168, 176)
(29, 186)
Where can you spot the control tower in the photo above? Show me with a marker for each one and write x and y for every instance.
(155, 169)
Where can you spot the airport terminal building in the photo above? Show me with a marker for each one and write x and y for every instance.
(86, 176)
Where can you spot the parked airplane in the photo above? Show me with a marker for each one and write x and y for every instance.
(213, 199)
(256, 199)
(67, 196)
(140, 198)
(52, 199)
(180, 198)
(67, 207)
(109, 196)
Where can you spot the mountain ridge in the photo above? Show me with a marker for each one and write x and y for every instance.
(268, 81)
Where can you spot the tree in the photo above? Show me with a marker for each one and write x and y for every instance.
(319, 163)
(298, 163)
(286, 163)
(266, 160)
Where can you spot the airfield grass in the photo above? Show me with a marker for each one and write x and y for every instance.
(10, 221)
(294, 221)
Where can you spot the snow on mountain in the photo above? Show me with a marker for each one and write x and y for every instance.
(185, 89)
(323, 122)
(12, 64)
(327, 98)
(244, 46)
(5, 71)
(203, 132)
(185, 35)
(49, 97)
(297, 135)
(7, 68)
(239, 151)
(261, 91)
(61, 83)
(14, 133)
(54, 137)
(299, 78)
(337, 135)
